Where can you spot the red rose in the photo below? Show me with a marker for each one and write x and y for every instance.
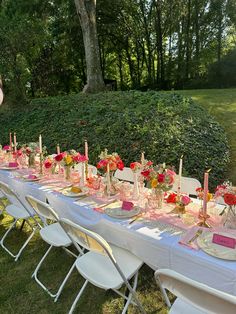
(47, 164)
(120, 165)
(132, 165)
(199, 189)
(161, 178)
(145, 173)
(59, 157)
(171, 198)
(230, 199)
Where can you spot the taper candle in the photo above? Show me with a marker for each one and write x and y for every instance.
(142, 158)
(58, 149)
(10, 140)
(40, 144)
(86, 149)
(14, 137)
(180, 173)
(205, 193)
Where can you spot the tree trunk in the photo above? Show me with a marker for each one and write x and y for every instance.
(86, 10)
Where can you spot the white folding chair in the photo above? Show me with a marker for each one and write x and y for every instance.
(188, 185)
(193, 297)
(54, 235)
(125, 175)
(18, 211)
(105, 266)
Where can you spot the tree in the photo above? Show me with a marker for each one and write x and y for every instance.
(86, 10)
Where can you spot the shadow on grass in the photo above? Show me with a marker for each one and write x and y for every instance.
(21, 294)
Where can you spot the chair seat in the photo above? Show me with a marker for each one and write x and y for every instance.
(101, 272)
(17, 212)
(54, 235)
(182, 307)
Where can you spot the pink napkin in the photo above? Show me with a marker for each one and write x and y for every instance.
(184, 240)
(127, 205)
(13, 164)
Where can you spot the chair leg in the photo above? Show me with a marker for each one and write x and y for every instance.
(130, 294)
(78, 297)
(4, 237)
(35, 276)
(16, 256)
(22, 225)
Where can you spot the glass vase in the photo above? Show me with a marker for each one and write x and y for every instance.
(156, 199)
(110, 182)
(136, 186)
(67, 173)
(31, 160)
(230, 217)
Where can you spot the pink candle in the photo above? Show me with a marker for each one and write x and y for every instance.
(10, 141)
(58, 149)
(86, 149)
(15, 148)
(205, 193)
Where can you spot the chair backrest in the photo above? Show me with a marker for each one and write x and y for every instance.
(12, 196)
(88, 239)
(91, 169)
(42, 209)
(126, 174)
(201, 296)
(188, 185)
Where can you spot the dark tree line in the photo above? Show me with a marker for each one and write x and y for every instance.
(143, 44)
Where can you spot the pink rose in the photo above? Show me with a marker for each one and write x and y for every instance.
(6, 147)
(185, 199)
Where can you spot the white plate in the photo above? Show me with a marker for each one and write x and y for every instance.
(118, 212)
(205, 243)
(8, 168)
(67, 192)
(26, 178)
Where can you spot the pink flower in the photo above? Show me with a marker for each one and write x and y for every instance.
(185, 199)
(7, 147)
(82, 158)
(102, 163)
(149, 163)
(145, 173)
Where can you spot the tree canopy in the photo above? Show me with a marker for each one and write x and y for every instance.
(144, 44)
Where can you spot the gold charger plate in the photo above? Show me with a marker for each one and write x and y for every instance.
(205, 243)
(69, 193)
(118, 212)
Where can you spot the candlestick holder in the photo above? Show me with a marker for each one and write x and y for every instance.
(203, 220)
(41, 163)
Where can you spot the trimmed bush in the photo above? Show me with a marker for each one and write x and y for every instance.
(165, 126)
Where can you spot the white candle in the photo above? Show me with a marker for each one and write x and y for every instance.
(180, 173)
(142, 158)
(10, 141)
(205, 193)
(86, 149)
(15, 148)
(58, 149)
(40, 144)
(83, 175)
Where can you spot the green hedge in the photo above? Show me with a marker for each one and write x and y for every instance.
(165, 126)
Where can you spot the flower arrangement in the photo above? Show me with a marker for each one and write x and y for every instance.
(32, 148)
(228, 193)
(200, 194)
(70, 158)
(159, 177)
(113, 160)
(181, 200)
(136, 166)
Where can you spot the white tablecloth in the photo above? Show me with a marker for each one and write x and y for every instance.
(155, 244)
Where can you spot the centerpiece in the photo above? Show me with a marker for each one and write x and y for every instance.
(228, 193)
(159, 178)
(180, 201)
(31, 150)
(108, 164)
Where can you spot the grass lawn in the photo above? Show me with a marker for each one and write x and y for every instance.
(220, 103)
(21, 294)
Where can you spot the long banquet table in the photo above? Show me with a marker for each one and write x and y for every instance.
(154, 242)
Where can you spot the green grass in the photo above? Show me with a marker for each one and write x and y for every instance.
(21, 294)
(220, 103)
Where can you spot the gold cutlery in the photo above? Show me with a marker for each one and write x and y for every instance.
(106, 204)
(197, 234)
(135, 218)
